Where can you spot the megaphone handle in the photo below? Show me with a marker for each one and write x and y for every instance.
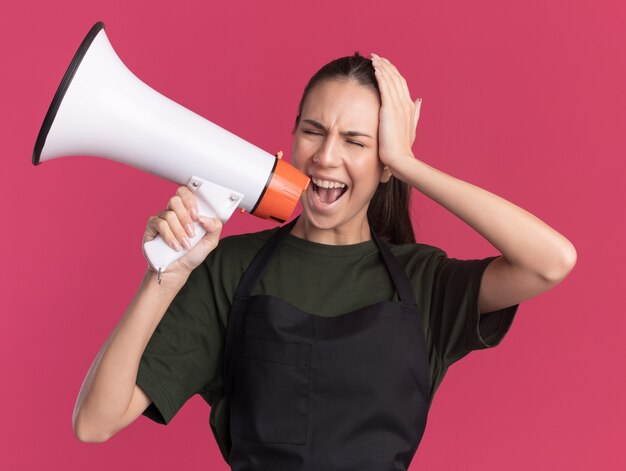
(214, 201)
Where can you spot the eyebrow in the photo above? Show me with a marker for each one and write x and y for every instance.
(321, 127)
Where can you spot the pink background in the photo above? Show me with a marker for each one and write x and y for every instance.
(525, 99)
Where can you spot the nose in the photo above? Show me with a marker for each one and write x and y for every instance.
(326, 155)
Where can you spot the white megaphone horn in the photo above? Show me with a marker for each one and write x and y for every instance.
(102, 109)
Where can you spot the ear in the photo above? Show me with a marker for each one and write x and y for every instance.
(386, 175)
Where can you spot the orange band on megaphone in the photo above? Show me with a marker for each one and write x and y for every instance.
(282, 193)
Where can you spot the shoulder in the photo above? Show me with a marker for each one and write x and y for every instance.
(417, 257)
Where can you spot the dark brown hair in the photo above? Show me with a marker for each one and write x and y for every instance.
(389, 209)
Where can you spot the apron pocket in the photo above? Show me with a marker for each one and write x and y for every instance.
(270, 402)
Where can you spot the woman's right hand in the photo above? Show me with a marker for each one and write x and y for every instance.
(176, 225)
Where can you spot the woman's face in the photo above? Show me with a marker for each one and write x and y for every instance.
(336, 145)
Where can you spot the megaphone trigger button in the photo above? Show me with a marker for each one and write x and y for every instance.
(242, 211)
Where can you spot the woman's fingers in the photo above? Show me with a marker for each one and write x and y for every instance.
(176, 223)
(390, 75)
(398, 113)
(396, 82)
(383, 84)
(205, 245)
(418, 107)
(399, 80)
(175, 228)
(189, 201)
(158, 225)
(388, 88)
(182, 213)
(213, 227)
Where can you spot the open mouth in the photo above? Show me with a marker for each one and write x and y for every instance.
(327, 191)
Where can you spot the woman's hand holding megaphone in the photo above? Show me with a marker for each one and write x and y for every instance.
(176, 226)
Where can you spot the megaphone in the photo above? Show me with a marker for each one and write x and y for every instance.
(102, 109)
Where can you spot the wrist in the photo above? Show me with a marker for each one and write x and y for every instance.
(402, 165)
(167, 280)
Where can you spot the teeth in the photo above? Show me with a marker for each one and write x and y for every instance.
(327, 183)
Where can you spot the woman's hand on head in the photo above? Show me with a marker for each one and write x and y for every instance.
(176, 226)
(399, 115)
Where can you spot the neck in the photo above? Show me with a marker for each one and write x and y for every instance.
(352, 232)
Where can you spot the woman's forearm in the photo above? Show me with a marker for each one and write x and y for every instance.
(109, 384)
(523, 239)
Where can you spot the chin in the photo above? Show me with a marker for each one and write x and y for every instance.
(320, 221)
(328, 221)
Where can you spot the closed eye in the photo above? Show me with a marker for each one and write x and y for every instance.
(356, 143)
(317, 133)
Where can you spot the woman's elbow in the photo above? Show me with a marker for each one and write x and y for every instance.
(569, 258)
(88, 434)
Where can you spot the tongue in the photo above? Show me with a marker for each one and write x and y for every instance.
(329, 195)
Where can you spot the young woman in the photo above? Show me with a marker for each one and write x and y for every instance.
(319, 345)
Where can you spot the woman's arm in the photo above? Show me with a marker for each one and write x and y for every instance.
(109, 398)
(107, 391)
(534, 258)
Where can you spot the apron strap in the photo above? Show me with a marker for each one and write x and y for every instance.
(260, 262)
(397, 273)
